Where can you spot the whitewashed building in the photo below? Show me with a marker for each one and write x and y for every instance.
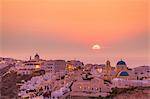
(75, 63)
(95, 85)
(142, 72)
(122, 83)
(54, 65)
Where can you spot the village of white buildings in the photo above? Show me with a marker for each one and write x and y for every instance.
(57, 79)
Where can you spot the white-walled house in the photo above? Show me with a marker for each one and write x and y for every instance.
(75, 63)
(54, 65)
(60, 65)
(49, 66)
(142, 72)
(95, 86)
(122, 83)
(63, 90)
(28, 67)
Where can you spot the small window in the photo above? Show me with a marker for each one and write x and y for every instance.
(100, 89)
(142, 73)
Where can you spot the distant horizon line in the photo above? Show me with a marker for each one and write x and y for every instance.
(77, 60)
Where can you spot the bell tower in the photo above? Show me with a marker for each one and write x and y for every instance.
(37, 57)
(108, 63)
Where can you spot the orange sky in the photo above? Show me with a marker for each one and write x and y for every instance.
(68, 29)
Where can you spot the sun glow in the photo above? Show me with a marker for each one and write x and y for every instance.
(96, 47)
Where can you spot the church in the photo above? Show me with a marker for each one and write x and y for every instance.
(119, 71)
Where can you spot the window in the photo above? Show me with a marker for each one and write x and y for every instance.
(80, 87)
(96, 88)
(100, 89)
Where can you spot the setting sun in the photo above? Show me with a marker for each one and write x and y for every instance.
(96, 47)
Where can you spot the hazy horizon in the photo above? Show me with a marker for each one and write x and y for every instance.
(131, 62)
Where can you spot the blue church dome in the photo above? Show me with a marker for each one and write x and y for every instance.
(121, 63)
(124, 73)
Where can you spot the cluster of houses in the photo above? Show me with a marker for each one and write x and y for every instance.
(55, 78)
(37, 64)
(4, 62)
(45, 86)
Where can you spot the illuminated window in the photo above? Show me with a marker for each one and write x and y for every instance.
(37, 66)
(80, 87)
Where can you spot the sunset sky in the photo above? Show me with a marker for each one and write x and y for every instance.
(67, 29)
